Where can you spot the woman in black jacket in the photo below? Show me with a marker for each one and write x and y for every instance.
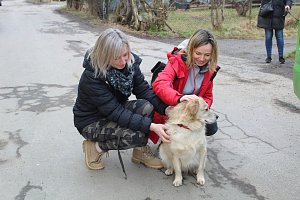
(274, 21)
(103, 113)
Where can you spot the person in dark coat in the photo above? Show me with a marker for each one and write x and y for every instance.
(274, 21)
(103, 113)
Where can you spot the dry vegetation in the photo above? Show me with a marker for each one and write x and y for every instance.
(234, 26)
(184, 23)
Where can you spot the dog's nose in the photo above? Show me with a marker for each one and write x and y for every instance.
(217, 116)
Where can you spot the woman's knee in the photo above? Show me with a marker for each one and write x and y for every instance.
(140, 106)
(147, 108)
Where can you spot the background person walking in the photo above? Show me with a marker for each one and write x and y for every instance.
(274, 21)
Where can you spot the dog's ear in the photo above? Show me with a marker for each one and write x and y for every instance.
(193, 108)
(178, 114)
(168, 110)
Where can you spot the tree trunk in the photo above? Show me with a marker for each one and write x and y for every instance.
(242, 7)
(102, 9)
(140, 15)
(217, 15)
(135, 15)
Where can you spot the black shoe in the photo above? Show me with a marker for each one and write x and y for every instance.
(268, 60)
(281, 60)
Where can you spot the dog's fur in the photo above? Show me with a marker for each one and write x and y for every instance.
(187, 149)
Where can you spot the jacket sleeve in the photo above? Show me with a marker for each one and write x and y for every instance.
(163, 85)
(142, 90)
(102, 96)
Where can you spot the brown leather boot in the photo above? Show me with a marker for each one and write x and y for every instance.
(93, 157)
(145, 156)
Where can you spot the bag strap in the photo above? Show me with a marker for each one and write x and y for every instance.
(215, 73)
(156, 69)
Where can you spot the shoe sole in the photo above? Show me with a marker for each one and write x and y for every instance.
(138, 161)
(85, 148)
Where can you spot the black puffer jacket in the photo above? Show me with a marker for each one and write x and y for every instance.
(97, 100)
(276, 19)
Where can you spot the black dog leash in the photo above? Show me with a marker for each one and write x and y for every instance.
(120, 158)
(288, 12)
(294, 17)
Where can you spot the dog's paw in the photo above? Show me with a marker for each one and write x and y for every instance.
(169, 172)
(200, 180)
(177, 182)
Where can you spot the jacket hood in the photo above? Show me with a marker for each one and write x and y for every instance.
(87, 64)
(183, 44)
(177, 55)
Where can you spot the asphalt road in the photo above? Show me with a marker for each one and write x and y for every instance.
(254, 155)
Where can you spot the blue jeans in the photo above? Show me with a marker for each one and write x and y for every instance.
(269, 41)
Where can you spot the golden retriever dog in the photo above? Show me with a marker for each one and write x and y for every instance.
(187, 149)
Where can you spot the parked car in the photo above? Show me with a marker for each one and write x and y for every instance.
(296, 68)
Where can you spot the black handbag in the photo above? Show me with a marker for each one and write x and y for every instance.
(266, 9)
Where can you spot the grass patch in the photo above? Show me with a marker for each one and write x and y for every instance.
(234, 26)
(291, 55)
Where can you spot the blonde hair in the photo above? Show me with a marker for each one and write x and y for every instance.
(109, 47)
(199, 38)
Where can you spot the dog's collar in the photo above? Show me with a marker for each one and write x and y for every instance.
(183, 126)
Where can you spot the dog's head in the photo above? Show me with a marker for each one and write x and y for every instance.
(189, 112)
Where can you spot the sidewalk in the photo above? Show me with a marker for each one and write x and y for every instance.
(255, 154)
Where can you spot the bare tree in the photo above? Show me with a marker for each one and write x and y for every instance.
(140, 15)
(103, 7)
(242, 6)
(217, 14)
(89, 5)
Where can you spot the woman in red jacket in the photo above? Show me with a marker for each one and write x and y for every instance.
(187, 75)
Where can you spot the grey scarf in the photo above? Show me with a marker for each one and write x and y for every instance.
(121, 80)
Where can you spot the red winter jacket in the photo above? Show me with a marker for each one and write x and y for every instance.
(170, 83)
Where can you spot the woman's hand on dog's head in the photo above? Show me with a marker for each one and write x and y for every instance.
(160, 130)
(189, 97)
